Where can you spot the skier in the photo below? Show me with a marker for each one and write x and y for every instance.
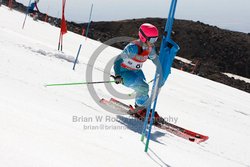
(128, 64)
(31, 11)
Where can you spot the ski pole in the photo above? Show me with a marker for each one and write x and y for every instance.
(78, 83)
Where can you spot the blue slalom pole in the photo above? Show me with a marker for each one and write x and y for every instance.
(168, 51)
(77, 56)
(170, 22)
(90, 15)
(153, 113)
(26, 14)
(145, 124)
(87, 31)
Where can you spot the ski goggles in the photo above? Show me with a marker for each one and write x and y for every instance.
(152, 39)
(149, 39)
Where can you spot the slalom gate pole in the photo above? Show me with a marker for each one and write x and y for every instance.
(154, 94)
(59, 42)
(26, 15)
(77, 56)
(87, 31)
(78, 83)
(155, 97)
(170, 21)
(90, 15)
(145, 124)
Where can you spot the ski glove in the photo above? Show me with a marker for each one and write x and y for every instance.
(118, 79)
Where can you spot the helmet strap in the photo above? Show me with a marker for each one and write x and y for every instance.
(143, 34)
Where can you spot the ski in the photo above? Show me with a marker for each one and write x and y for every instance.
(161, 123)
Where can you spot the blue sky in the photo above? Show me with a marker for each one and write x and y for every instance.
(228, 14)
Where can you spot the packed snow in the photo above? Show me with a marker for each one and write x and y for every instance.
(63, 126)
(184, 60)
(237, 77)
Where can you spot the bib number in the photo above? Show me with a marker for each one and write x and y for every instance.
(132, 64)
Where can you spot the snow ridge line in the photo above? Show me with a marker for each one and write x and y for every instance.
(56, 54)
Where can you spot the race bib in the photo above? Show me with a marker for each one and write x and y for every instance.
(132, 64)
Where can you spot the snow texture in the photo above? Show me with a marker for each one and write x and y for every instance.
(64, 126)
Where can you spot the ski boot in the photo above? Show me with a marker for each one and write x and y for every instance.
(140, 113)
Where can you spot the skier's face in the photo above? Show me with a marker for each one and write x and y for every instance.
(149, 43)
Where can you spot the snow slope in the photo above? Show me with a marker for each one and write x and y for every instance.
(37, 123)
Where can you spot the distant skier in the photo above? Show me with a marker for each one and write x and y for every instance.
(128, 64)
(31, 11)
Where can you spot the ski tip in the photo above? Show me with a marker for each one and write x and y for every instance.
(191, 139)
(114, 100)
(198, 140)
(104, 101)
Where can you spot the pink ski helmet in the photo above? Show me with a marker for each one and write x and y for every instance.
(148, 32)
